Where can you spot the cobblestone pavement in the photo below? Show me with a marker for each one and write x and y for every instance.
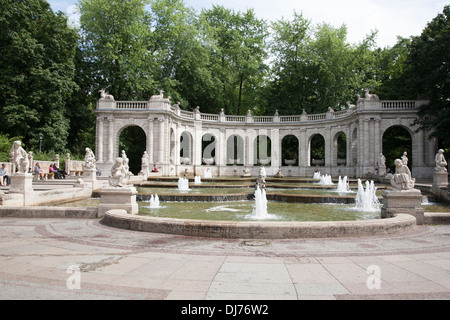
(83, 259)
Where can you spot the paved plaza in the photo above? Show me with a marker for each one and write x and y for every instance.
(83, 259)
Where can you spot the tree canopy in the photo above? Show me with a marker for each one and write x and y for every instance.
(215, 59)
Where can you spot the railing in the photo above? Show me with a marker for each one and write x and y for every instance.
(209, 117)
(398, 104)
(190, 115)
(131, 105)
(235, 118)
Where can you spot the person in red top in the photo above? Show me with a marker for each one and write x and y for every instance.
(155, 169)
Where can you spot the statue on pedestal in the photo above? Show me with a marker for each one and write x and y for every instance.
(441, 163)
(402, 179)
(19, 157)
(89, 159)
(119, 175)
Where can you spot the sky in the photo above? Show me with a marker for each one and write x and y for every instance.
(391, 18)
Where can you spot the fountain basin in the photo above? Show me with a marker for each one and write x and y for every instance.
(259, 229)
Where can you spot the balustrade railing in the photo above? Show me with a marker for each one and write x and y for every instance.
(385, 105)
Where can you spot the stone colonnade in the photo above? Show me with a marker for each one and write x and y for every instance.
(178, 140)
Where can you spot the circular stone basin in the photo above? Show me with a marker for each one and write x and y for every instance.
(242, 211)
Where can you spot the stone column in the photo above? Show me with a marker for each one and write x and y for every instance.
(161, 143)
(110, 140)
(275, 153)
(150, 143)
(100, 142)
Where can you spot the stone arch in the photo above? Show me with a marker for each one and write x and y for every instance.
(316, 150)
(340, 148)
(262, 151)
(354, 147)
(235, 149)
(290, 150)
(209, 141)
(186, 148)
(132, 139)
(396, 140)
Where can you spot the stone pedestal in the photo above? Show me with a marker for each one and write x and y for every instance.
(404, 201)
(118, 198)
(90, 176)
(440, 180)
(22, 183)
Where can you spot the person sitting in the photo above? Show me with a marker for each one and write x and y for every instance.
(60, 173)
(38, 171)
(155, 169)
(4, 178)
(52, 169)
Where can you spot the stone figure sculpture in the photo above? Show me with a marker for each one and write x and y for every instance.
(402, 179)
(19, 157)
(145, 164)
(89, 159)
(405, 158)
(441, 163)
(105, 96)
(125, 161)
(261, 180)
(118, 175)
(381, 160)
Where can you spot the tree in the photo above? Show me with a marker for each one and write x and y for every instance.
(37, 61)
(429, 75)
(237, 54)
(115, 36)
(314, 67)
(182, 62)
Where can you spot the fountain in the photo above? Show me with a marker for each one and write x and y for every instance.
(366, 200)
(316, 175)
(154, 202)
(183, 184)
(260, 206)
(197, 180)
(326, 180)
(343, 185)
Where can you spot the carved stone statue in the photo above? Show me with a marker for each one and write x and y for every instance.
(402, 179)
(261, 180)
(89, 159)
(19, 157)
(105, 96)
(145, 164)
(405, 158)
(441, 163)
(381, 160)
(119, 176)
(125, 161)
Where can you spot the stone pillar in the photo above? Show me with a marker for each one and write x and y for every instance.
(275, 154)
(161, 143)
(150, 143)
(100, 142)
(110, 140)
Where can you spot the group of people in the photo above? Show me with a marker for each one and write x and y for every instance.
(58, 173)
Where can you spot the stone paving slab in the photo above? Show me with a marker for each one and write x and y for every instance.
(35, 255)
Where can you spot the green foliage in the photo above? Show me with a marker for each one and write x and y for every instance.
(37, 51)
(215, 59)
(314, 67)
(5, 146)
(429, 63)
